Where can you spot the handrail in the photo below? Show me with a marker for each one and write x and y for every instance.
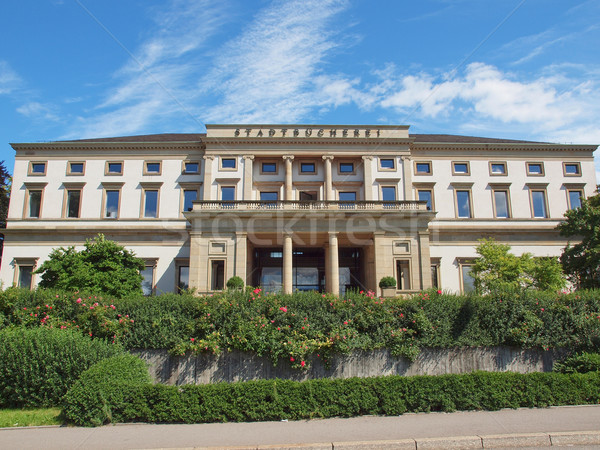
(310, 205)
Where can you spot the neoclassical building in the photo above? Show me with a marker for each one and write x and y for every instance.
(293, 207)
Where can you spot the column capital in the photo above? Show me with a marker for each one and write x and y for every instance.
(333, 233)
(250, 157)
(423, 233)
(367, 157)
(211, 157)
(326, 157)
(405, 158)
(288, 157)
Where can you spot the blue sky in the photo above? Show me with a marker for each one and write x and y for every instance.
(523, 69)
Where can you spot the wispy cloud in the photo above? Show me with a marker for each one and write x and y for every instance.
(9, 80)
(272, 71)
(38, 111)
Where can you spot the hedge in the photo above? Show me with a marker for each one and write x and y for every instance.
(298, 326)
(269, 400)
(39, 365)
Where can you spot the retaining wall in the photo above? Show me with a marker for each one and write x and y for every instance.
(239, 366)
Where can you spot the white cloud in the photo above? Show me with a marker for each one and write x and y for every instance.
(9, 80)
(36, 110)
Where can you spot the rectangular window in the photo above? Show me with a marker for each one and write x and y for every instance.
(269, 167)
(387, 164)
(572, 169)
(148, 280)
(538, 204)
(189, 196)
(25, 277)
(152, 168)
(346, 167)
(75, 168)
(190, 167)
(308, 167)
(460, 168)
(463, 204)
(535, 168)
(228, 163)
(388, 194)
(426, 195)
(309, 196)
(501, 205)
(467, 281)
(113, 168)
(435, 274)
(422, 168)
(403, 274)
(227, 193)
(217, 275)
(269, 196)
(35, 204)
(37, 168)
(497, 168)
(183, 278)
(73, 202)
(111, 203)
(574, 196)
(150, 203)
(347, 197)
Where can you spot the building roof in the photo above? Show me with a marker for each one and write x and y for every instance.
(419, 138)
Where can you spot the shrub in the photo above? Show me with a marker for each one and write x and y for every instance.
(579, 363)
(38, 365)
(387, 282)
(285, 399)
(91, 398)
(235, 282)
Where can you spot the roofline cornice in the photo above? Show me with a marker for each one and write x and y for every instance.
(308, 141)
(304, 125)
(500, 146)
(91, 146)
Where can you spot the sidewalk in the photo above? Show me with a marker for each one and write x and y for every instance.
(557, 426)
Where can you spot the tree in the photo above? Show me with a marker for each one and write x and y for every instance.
(5, 184)
(581, 262)
(102, 266)
(496, 269)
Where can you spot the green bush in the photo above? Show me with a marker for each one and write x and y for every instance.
(91, 398)
(579, 363)
(387, 282)
(268, 400)
(235, 282)
(39, 365)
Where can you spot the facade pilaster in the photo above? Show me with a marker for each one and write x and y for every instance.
(248, 176)
(328, 178)
(208, 178)
(368, 178)
(425, 259)
(407, 175)
(241, 249)
(198, 258)
(287, 264)
(379, 257)
(334, 263)
(288, 177)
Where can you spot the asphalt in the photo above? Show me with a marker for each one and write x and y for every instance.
(566, 427)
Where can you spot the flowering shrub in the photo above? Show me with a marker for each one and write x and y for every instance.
(304, 326)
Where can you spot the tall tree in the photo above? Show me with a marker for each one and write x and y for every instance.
(581, 261)
(5, 184)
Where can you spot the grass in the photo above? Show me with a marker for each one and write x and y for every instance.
(29, 417)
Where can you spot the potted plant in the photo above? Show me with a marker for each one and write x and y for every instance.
(235, 283)
(388, 286)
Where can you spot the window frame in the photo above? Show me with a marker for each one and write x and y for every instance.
(106, 187)
(314, 163)
(18, 264)
(574, 189)
(30, 171)
(539, 188)
(113, 174)
(222, 168)
(380, 167)
(152, 263)
(497, 174)
(211, 281)
(150, 187)
(576, 164)
(179, 264)
(420, 173)
(463, 188)
(393, 186)
(75, 174)
(65, 207)
(501, 188)
(146, 172)
(275, 172)
(33, 187)
(462, 263)
(461, 174)
(436, 265)
(187, 187)
(528, 164)
(341, 163)
(184, 170)
(232, 186)
(408, 279)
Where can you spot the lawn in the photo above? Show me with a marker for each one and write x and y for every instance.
(29, 417)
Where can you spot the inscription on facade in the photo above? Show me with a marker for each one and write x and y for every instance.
(308, 132)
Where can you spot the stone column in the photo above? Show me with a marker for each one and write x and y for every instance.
(334, 263)
(379, 259)
(198, 257)
(327, 268)
(425, 259)
(368, 178)
(288, 177)
(248, 177)
(241, 248)
(208, 179)
(328, 178)
(407, 175)
(287, 264)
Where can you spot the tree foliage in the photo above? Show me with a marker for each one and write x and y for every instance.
(498, 270)
(5, 184)
(581, 262)
(102, 266)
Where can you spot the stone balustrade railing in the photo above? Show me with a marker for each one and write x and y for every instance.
(311, 205)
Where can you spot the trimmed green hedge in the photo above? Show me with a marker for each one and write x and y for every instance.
(297, 327)
(579, 363)
(269, 400)
(39, 365)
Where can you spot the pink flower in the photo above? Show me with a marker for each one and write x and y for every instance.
(302, 363)
(439, 291)
(345, 322)
(79, 300)
(256, 291)
(292, 359)
(283, 308)
(192, 339)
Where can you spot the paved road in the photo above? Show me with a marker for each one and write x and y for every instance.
(559, 426)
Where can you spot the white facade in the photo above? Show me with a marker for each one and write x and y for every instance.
(278, 203)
